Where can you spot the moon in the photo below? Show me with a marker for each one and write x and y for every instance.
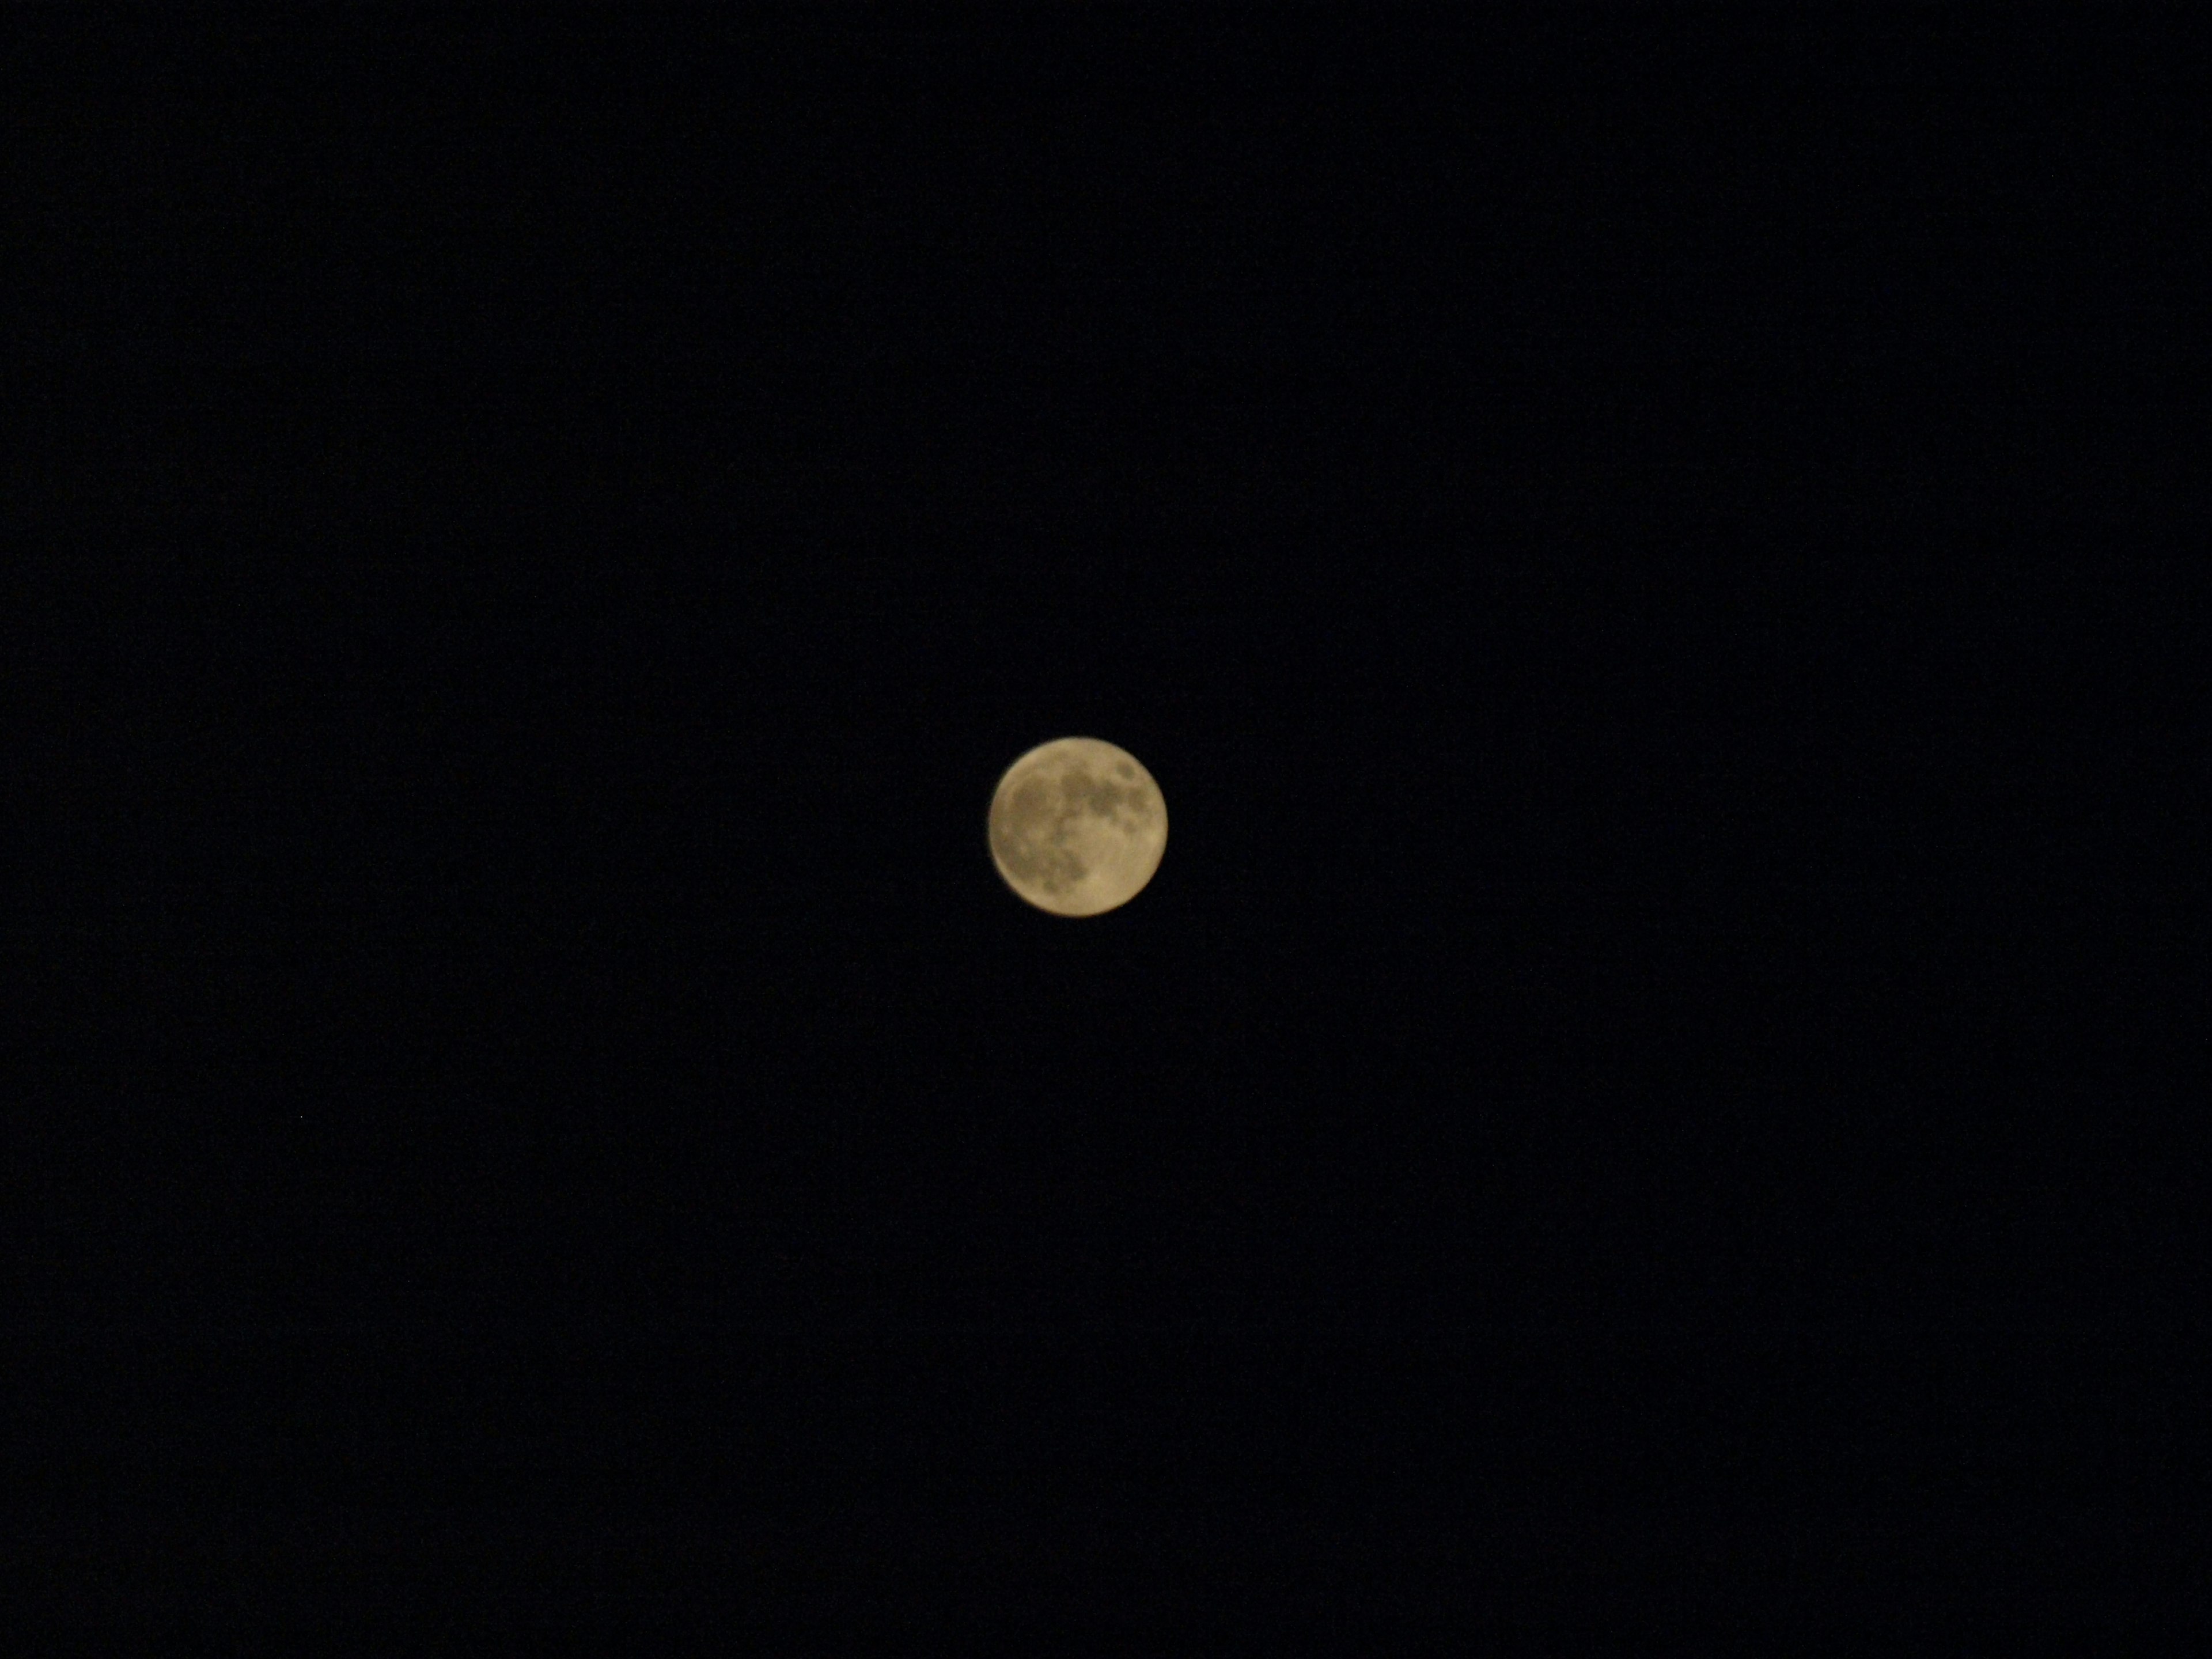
(1077, 827)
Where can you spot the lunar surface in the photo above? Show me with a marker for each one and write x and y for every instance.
(1077, 827)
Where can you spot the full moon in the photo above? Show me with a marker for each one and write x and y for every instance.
(1078, 826)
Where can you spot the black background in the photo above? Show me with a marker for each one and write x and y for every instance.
(1646, 554)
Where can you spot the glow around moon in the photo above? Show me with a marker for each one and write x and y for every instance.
(1077, 827)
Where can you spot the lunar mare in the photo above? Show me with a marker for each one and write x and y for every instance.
(1078, 826)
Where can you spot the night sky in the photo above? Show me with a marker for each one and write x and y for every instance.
(1648, 556)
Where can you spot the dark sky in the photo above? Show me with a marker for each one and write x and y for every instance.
(1647, 555)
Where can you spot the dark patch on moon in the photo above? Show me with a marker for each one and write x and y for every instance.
(1128, 807)
(1031, 839)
